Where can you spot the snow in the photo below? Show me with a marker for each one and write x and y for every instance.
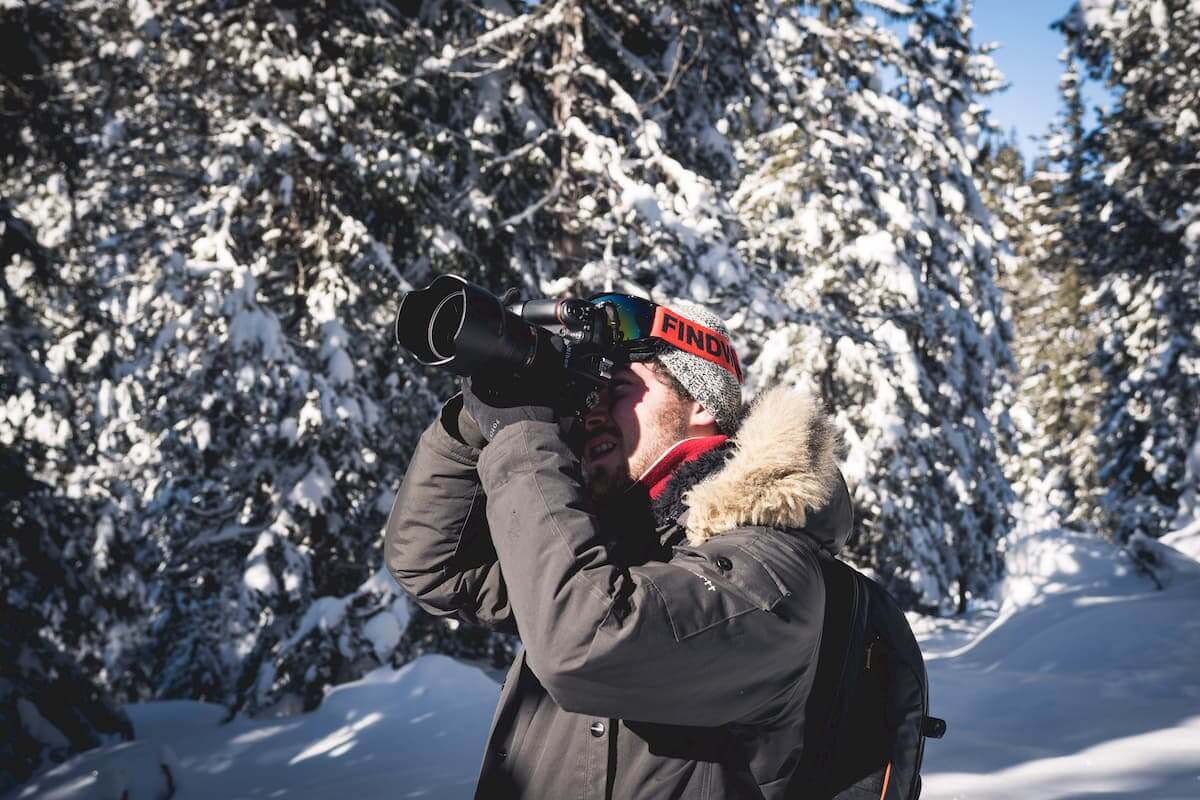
(896, 210)
(892, 6)
(417, 731)
(141, 13)
(1185, 540)
(875, 248)
(952, 197)
(133, 771)
(38, 726)
(311, 491)
(1186, 537)
(257, 576)
(288, 430)
(1158, 17)
(254, 326)
(1080, 680)
(1083, 682)
(1103, 14)
(1158, 763)
(325, 613)
(383, 631)
(1189, 499)
(105, 537)
(1116, 171)
(202, 432)
(341, 368)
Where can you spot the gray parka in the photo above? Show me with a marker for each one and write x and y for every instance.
(660, 660)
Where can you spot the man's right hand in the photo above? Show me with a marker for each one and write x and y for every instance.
(460, 424)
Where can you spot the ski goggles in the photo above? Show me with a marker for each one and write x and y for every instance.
(641, 327)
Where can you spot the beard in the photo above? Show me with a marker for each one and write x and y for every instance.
(604, 482)
(670, 427)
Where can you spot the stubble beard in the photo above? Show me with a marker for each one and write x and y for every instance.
(604, 484)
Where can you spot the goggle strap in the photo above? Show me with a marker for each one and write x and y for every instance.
(691, 337)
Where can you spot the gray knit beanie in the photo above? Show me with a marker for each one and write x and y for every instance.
(708, 383)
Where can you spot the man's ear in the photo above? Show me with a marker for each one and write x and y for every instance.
(701, 418)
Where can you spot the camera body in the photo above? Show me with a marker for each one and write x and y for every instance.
(567, 347)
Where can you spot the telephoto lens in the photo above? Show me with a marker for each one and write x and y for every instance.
(463, 328)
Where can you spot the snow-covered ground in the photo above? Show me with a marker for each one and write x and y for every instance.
(1083, 682)
(413, 732)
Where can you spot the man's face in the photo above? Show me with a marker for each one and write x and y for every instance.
(635, 422)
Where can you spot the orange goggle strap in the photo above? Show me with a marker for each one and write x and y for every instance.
(692, 337)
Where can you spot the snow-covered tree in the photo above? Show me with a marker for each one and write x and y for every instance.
(1055, 340)
(205, 366)
(51, 703)
(229, 257)
(51, 706)
(864, 217)
(260, 184)
(1144, 255)
(667, 122)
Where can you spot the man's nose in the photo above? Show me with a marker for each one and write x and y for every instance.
(596, 417)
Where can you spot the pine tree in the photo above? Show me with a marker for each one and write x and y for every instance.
(1055, 343)
(1143, 254)
(234, 456)
(51, 702)
(210, 377)
(258, 187)
(51, 706)
(862, 207)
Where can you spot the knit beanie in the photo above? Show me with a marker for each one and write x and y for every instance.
(708, 383)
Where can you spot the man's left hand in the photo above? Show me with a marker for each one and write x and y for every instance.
(493, 408)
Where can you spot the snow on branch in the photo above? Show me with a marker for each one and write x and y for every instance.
(892, 7)
(526, 24)
(621, 99)
(519, 152)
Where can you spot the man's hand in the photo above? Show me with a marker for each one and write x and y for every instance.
(487, 408)
(459, 424)
(490, 409)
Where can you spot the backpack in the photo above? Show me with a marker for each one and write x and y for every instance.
(867, 715)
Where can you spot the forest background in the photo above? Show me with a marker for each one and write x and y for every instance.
(209, 210)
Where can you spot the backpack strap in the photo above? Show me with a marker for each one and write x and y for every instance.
(843, 633)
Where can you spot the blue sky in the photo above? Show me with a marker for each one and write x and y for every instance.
(1028, 57)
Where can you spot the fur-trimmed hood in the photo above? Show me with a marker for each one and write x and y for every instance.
(779, 470)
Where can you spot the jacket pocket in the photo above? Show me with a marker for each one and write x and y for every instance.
(708, 586)
(739, 567)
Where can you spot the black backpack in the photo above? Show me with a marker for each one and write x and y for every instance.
(867, 716)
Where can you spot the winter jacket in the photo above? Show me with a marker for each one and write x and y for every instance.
(669, 650)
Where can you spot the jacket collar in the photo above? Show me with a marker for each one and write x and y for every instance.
(779, 470)
(659, 474)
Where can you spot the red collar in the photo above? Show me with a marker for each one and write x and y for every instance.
(658, 475)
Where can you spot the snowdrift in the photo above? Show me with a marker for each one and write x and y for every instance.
(417, 731)
(1084, 683)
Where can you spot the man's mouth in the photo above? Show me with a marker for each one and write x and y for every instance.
(600, 445)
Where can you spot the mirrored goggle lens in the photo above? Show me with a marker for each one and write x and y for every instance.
(634, 317)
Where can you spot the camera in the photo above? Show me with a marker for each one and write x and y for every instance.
(567, 348)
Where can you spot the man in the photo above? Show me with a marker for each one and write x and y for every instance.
(664, 581)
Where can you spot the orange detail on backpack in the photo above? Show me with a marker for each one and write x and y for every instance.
(887, 778)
